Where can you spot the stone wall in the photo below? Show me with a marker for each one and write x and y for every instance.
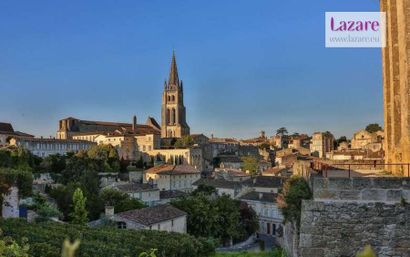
(379, 189)
(343, 228)
(289, 241)
(347, 214)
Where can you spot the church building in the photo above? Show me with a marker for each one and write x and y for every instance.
(173, 113)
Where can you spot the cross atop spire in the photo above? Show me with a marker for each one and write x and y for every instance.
(173, 73)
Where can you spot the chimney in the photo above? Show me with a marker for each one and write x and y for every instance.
(134, 123)
(109, 211)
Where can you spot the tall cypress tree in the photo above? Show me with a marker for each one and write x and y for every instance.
(80, 213)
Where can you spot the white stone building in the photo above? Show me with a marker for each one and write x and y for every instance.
(44, 147)
(10, 205)
(188, 156)
(172, 177)
(148, 194)
(269, 215)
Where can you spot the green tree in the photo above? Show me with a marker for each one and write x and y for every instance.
(373, 127)
(80, 213)
(184, 142)
(205, 189)
(63, 197)
(250, 163)
(249, 219)
(229, 219)
(215, 217)
(104, 158)
(290, 199)
(281, 131)
(55, 163)
(121, 201)
(20, 159)
(341, 139)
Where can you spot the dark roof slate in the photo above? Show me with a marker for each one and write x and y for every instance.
(152, 215)
(263, 197)
(135, 187)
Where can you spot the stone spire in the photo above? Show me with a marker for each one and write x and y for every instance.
(173, 73)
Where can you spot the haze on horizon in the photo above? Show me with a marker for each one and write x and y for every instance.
(246, 66)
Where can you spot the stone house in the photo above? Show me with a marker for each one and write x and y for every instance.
(286, 161)
(164, 217)
(231, 174)
(362, 138)
(172, 177)
(7, 132)
(269, 215)
(188, 156)
(232, 188)
(267, 184)
(44, 147)
(229, 161)
(321, 143)
(223, 145)
(147, 193)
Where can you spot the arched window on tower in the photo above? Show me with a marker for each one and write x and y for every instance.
(173, 98)
(173, 116)
(168, 118)
(169, 98)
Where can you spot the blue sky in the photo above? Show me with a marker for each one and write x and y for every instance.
(246, 65)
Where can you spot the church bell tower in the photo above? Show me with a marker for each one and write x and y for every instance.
(173, 114)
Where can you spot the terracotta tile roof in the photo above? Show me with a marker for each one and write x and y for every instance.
(152, 215)
(274, 170)
(168, 169)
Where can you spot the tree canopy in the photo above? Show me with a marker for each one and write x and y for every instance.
(184, 142)
(119, 200)
(290, 199)
(281, 131)
(250, 163)
(80, 213)
(217, 217)
(373, 127)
